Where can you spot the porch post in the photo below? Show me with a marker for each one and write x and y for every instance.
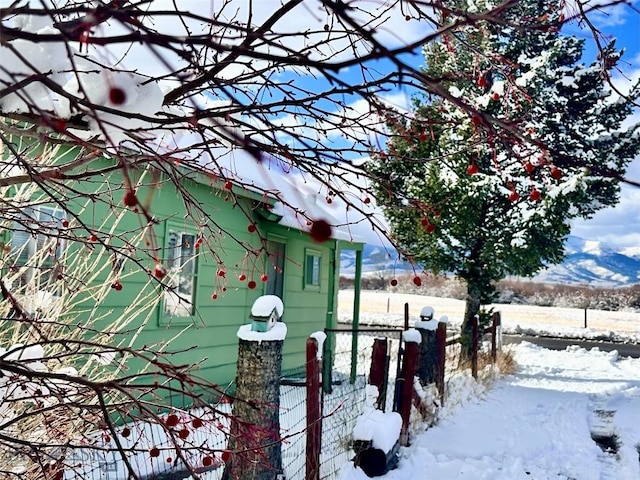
(356, 316)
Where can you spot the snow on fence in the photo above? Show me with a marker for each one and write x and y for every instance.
(320, 402)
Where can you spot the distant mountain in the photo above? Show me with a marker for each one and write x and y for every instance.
(594, 263)
(587, 262)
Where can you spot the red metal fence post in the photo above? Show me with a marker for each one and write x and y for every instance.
(378, 372)
(314, 419)
(441, 354)
(409, 363)
(474, 347)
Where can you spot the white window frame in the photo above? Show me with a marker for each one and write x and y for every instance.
(179, 299)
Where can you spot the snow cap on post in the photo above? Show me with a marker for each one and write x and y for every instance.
(277, 333)
(320, 337)
(426, 313)
(411, 335)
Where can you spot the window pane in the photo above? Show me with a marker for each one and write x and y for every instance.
(312, 274)
(180, 260)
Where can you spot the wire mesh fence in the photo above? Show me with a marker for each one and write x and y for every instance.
(343, 399)
(293, 422)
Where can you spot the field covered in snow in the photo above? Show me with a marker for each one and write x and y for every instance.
(387, 308)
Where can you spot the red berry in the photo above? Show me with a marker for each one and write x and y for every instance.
(472, 169)
(65, 223)
(93, 238)
(169, 460)
(407, 17)
(221, 273)
(424, 222)
(320, 231)
(367, 201)
(59, 276)
(172, 420)
(556, 173)
(228, 185)
(126, 432)
(117, 96)
(130, 199)
(529, 167)
(251, 228)
(183, 434)
(423, 137)
(214, 296)
(417, 281)
(59, 125)
(495, 97)
(154, 452)
(482, 81)
(329, 200)
(264, 277)
(252, 284)
(242, 277)
(476, 120)
(430, 228)
(197, 423)
(534, 195)
(394, 282)
(226, 456)
(116, 285)
(159, 272)
(513, 196)
(106, 438)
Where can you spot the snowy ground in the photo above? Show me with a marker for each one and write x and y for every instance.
(537, 423)
(386, 308)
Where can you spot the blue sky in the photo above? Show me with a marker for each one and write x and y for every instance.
(618, 226)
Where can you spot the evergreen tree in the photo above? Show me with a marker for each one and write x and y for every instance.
(463, 200)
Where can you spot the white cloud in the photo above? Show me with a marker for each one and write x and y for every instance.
(617, 226)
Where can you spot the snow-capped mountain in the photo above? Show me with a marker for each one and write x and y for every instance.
(594, 263)
(587, 262)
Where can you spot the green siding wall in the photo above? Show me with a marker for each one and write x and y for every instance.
(209, 339)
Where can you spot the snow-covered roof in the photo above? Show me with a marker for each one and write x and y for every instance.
(299, 198)
(265, 305)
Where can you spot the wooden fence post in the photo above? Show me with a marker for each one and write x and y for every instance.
(441, 355)
(474, 346)
(256, 452)
(314, 416)
(378, 373)
(495, 322)
(408, 373)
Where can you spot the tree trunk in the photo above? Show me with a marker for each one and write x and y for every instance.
(472, 307)
(254, 442)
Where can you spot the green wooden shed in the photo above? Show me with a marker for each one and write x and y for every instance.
(264, 246)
